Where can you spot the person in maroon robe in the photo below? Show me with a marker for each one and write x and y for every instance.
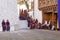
(3, 25)
(8, 25)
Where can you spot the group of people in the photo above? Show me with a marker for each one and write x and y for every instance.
(23, 14)
(5, 25)
(47, 24)
(33, 23)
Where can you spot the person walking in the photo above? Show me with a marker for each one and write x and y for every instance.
(7, 25)
(3, 25)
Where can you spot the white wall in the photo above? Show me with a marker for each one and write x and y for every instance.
(8, 10)
(38, 16)
(37, 13)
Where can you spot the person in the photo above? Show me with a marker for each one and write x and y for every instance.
(45, 25)
(33, 24)
(50, 26)
(3, 25)
(36, 24)
(8, 25)
(29, 19)
(40, 27)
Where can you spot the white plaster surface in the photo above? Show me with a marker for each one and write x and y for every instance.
(8, 10)
(37, 13)
(23, 24)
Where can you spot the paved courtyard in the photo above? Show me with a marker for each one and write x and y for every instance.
(33, 34)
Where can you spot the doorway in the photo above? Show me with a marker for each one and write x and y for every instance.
(48, 16)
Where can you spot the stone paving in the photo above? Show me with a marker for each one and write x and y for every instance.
(33, 34)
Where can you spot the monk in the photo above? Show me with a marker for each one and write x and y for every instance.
(8, 25)
(3, 25)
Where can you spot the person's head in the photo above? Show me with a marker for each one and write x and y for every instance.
(39, 23)
(7, 20)
(3, 20)
(30, 16)
(36, 20)
(33, 20)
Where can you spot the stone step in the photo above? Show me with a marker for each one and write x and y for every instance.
(22, 24)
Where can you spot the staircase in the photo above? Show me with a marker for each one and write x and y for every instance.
(22, 24)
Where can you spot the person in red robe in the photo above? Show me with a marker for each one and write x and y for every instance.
(3, 25)
(8, 25)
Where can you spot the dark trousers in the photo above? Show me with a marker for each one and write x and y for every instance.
(8, 28)
(4, 28)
